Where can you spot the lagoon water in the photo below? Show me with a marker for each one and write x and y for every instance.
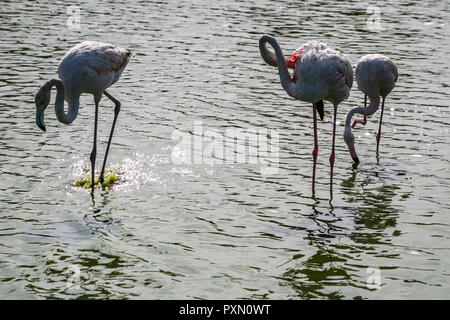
(227, 229)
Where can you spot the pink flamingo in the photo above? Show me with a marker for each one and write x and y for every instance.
(89, 67)
(376, 76)
(320, 73)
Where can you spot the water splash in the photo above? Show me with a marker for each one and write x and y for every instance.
(139, 169)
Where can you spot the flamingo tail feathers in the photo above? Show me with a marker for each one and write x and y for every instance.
(320, 110)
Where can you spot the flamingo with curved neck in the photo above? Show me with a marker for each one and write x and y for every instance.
(89, 67)
(320, 73)
(62, 116)
(376, 76)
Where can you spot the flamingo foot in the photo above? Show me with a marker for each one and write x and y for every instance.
(363, 122)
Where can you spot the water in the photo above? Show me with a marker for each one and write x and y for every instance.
(224, 231)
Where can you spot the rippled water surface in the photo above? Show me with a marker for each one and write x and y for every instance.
(224, 230)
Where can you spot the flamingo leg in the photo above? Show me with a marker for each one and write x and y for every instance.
(116, 114)
(363, 122)
(316, 146)
(94, 148)
(332, 149)
(379, 127)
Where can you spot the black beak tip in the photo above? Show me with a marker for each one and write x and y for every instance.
(356, 160)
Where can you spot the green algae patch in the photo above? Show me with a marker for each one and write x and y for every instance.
(111, 177)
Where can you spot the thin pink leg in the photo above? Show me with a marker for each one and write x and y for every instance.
(332, 149)
(316, 146)
(379, 128)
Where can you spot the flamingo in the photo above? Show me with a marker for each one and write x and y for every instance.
(89, 67)
(320, 73)
(376, 76)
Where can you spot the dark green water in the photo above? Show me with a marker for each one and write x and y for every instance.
(224, 231)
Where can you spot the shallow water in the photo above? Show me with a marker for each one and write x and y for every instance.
(227, 230)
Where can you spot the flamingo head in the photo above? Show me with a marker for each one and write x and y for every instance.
(350, 140)
(42, 100)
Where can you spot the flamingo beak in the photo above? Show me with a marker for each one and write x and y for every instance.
(40, 117)
(353, 154)
(351, 148)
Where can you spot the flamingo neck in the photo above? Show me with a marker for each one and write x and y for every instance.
(368, 111)
(285, 77)
(74, 103)
(267, 55)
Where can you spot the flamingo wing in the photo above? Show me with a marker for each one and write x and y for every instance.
(104, 58)
(348, 73)
(92, 66)
(393, 69)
